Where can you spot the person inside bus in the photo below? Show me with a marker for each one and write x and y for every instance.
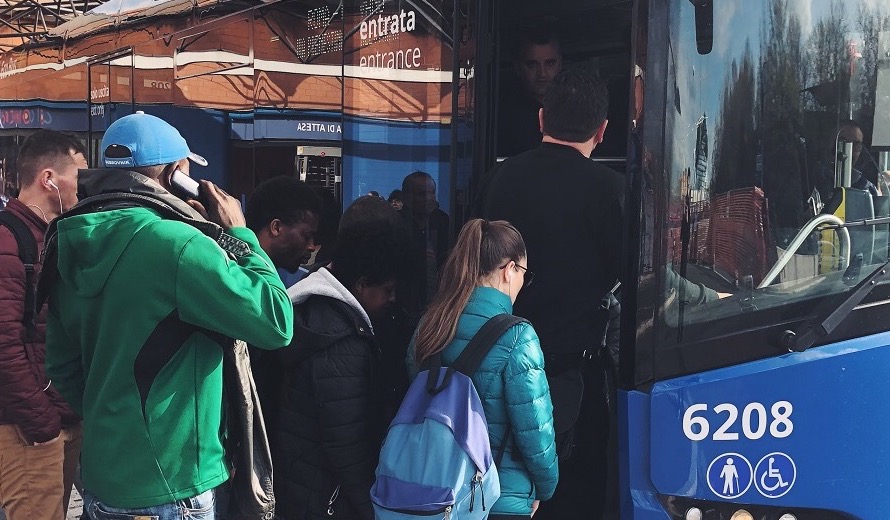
(333, 418)
(851, 132)
(486, 270)
(537, 62)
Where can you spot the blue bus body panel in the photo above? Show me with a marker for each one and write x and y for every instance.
(835, 455)
(639, 500)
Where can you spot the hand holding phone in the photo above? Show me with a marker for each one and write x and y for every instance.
(221, 208)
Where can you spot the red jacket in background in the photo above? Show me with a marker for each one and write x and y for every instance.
(27, 399)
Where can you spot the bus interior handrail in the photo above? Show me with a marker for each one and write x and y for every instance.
(801, 237)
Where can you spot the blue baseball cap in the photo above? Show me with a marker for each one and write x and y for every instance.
(141, 139)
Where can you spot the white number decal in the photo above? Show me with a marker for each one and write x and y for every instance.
(781, 426)
(721, 433)
(760, 411)
(689, 421)
(697, 427)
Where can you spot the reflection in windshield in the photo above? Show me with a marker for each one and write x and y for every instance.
(785, 119)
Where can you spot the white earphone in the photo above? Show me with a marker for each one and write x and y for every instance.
(58, 192)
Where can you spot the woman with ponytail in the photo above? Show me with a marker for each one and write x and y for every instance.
(481, 279)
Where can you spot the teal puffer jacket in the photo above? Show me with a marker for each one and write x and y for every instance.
(513, 388)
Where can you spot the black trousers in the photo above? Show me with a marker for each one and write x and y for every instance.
(581, 492)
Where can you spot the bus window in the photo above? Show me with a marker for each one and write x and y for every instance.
(751, 157)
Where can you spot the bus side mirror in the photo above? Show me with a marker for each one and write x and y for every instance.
(704, 25)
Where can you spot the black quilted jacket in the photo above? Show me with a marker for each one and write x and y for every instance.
(331, 421)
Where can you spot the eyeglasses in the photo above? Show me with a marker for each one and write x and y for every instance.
(529, 275)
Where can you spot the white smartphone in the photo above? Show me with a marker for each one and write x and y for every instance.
(184, 186)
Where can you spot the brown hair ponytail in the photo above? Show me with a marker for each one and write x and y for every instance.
(481, 248)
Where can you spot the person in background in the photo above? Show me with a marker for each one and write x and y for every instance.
(40, 434)
(284, 213)
(396, 199)
(429, 230)
(394, 328)
(481, 279)
(332, 418)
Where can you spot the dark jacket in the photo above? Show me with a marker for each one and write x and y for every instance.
(331, 423)
(26, 398)
(569, 211)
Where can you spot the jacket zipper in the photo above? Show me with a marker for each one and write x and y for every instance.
(333, 499)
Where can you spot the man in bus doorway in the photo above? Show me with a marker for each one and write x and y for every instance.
(538, 61)
(569, 210)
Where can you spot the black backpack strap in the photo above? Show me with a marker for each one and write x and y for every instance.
(471, 358)
(27, 245)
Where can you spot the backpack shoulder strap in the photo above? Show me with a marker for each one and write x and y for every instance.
(471, 358)
(27, 245)
(467, 363)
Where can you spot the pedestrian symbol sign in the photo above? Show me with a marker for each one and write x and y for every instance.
(730, 475)
(775, 475)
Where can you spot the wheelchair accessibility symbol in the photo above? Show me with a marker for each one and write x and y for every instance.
(774, 475)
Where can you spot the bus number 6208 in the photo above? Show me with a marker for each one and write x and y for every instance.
(755, 421)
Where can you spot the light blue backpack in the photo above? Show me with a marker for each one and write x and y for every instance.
(436, 461)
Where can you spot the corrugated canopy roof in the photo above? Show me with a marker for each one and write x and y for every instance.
(22, 21)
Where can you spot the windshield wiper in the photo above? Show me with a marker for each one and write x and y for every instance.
(833, 311)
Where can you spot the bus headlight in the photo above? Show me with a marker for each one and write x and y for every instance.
(741, 514)
(694, 513)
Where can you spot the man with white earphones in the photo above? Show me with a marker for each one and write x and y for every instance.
(40, 434)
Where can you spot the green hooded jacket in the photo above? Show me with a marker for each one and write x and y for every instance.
(151, 395)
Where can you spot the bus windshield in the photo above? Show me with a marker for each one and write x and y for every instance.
(749, 152)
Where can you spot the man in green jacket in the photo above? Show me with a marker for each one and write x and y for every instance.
(131, 316)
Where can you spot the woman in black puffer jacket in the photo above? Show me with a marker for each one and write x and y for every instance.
(332, 418)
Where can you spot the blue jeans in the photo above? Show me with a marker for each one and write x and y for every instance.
(195, 508)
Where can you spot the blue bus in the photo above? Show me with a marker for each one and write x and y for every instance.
(759, 157)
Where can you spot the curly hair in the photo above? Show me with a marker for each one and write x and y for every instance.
(284, 198)
(378, 251)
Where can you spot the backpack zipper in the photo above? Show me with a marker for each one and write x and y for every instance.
(447, 510)
(476, 481)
